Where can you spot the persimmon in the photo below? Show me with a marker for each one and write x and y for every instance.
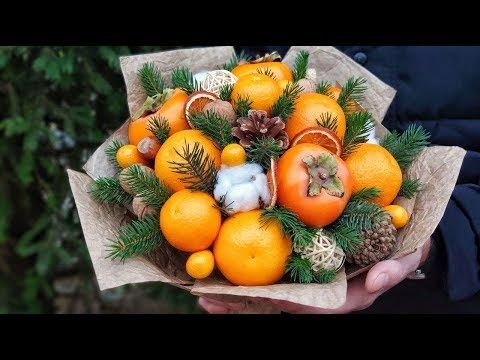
(313, 183)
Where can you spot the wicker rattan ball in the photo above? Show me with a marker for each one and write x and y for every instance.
(215, 79)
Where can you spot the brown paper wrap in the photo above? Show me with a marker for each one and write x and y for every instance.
(437, 167)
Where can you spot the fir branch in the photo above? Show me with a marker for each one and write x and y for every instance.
(233, 62)
(197, 166)
(267, 71)
(300, 269)
(410, 187)
(359, 126)
(324, 276)
(324, 88)
(300, 67)
(328, 121)
(242, 105)
(151, 79)
(366, 194)
(300, 234)
(111, 152)
(160, 127)
(285, 105)
(226, 92)
(405, 147)
(135, 238)
(346, 237)
(262, 149)
(353, 91)
(183, 78)
(215, 127)
(106, 189)
(147, 186)
(360, 215)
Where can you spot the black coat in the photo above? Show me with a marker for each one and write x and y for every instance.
(439, 88)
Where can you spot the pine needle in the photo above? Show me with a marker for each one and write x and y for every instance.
(300, 67)
(346, 237)
(197, 166)
(106, 189)
(135, 238)
(160, 127)
(215, 127)
(183, 78)
(147, 186)
(300, 269)
(353, 91)
(405, 147)
(261, 151)
(359, 126)
(300, 234)
(360, 215)
(111, 152)
(324, 88)
(267, 71)
(328, 121)
(233, 62)
(151, 79)
(324, 276)
(285, 105)
(226, 92)
(366, 194)
(242, 105)
(410, 187)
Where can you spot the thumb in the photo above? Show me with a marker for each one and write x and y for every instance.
(388, 273)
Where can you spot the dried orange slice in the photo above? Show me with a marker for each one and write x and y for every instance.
(197, 101)
(272, 182)
(320, 136)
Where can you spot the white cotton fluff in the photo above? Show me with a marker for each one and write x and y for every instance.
(200, 76)
(241, 187)
(372, 139)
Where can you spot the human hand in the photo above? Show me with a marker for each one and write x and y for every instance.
(362, 291)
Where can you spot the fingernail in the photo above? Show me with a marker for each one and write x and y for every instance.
(380, 282)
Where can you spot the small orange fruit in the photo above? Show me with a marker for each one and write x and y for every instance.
(168, 153)
(309, 109)
(190, 220)
(233, 155)
(172, 110)
(279, 70)
(249, 254)
(373, 166)
(200, 264)
(399, 215)
(284, 83)
(320, 136)
(128, 155)
(197, 101)
(261, 89)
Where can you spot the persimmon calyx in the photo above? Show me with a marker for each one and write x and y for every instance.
(323, 175)
(152, 103)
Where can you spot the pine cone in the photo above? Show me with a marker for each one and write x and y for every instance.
(377, 244)
(257, 125)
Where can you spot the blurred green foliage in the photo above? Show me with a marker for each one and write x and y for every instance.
(57, 104)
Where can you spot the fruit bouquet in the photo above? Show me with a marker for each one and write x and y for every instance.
(258, 177)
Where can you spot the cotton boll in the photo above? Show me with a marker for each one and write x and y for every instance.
(261, 184)
(242, 197)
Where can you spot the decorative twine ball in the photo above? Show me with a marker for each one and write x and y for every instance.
(215, 79)
(323, 253)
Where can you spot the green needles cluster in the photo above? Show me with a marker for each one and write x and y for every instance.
(285, 105)
(108, 189)
(183, 78)
(215, 127)
(262, 150)
(151, 79)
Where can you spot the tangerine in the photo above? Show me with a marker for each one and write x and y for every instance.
(261, 89)
(200, 264)
(279, 70)
(128, 155)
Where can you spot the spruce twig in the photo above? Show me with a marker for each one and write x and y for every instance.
(300, 66)
(147, 186)
(108, 189)
(151, 79)
(160, 127)
(300, 269)
(261, 151)
(405, 147)
(366, 194)
(197, 166)
(215, 127)
(359, 125)
(346, 237)
(183, 78)
(111, 152)
(324, 276)
(328, 121)
(226, 92)
(242, 105)
(135, 238)
(353, 91)
(233, 62)
(360, 215)
(410, 187)
(267, 71)
(324, 88)
(285, 105)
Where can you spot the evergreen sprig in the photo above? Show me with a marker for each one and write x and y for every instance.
(359, 126)
(242, 105)
(300, 269)
(300, 234)
(183, 78)
(267, 71)
(108, 189)
(146, 186)
(151, 79)
(233, 62)
(262, 149)
(135, 238)
(160, 127)
(197, 166)
(300, 66)
(366, 194)
(324, 276)
(353, 91)
(360, 215)
(405, 147)
(226, 92)
(215, 127)
(346, 237)
(328, 121)
(111, 152)
(285, 105)
(410, 187)
(324, 88)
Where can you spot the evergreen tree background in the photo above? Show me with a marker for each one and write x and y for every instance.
(57, 105)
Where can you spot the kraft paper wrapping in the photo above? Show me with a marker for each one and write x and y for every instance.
(437, 167)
